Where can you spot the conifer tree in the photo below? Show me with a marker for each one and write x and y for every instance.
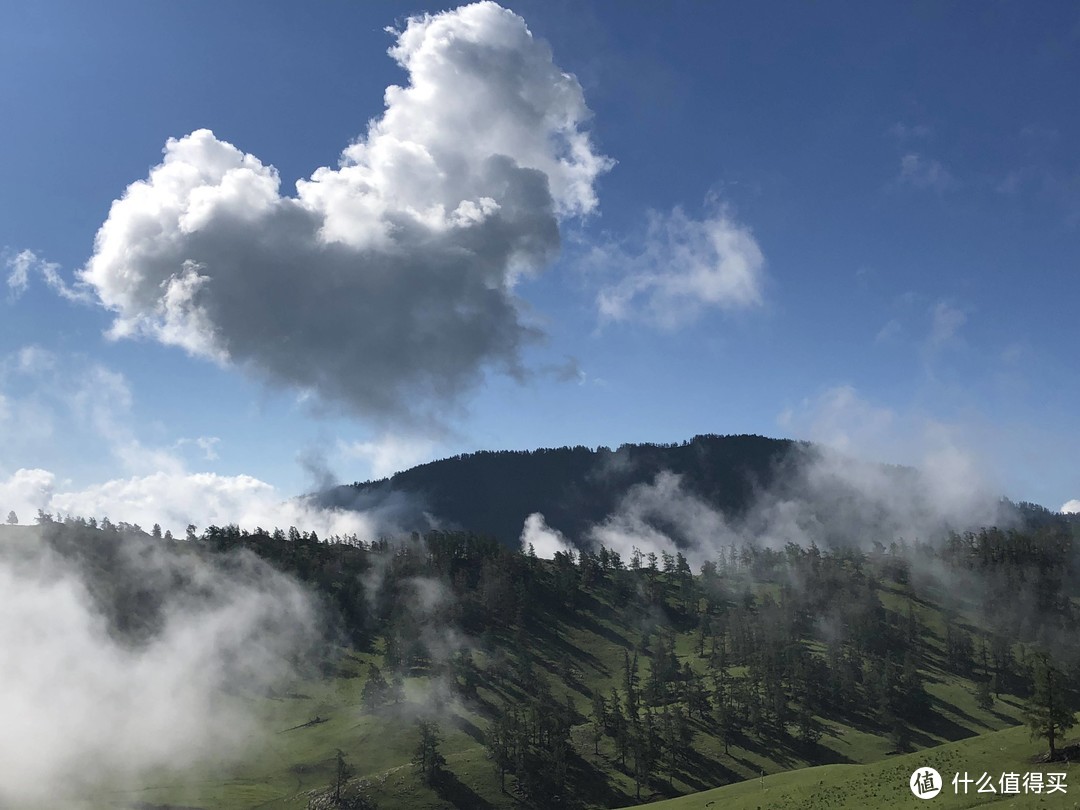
(374, 692)
(1048, 712)
(599, 720)
(426, 757)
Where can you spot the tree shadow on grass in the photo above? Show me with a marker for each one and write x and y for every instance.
(818, 754)
(936, 723)
(469, 727)
(774, 750)
(956, 710)
(1007, 719)
(703, 773)
(451, 789)
(589, 785)
(556, 645)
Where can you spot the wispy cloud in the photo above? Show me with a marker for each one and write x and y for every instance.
(902, 131)
(924, 174)
(207, 445)
(93, 406)
(389, 453)
(945, 324)
(1045, 170)
(684, 267)
(841, 418)
(26, 263)
(889, 332)
(569, 370)
(102, 401)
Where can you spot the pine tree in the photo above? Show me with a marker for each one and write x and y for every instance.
(808, 729)
(725, 724)
(500, 742)
(630, 681)
(1048, 712)
(599, 720)
(619, 727)
(426, 757)
(641, 754)
(343, 772)
(684, 732)
(374, 692)
(397, 688)
(697, 697)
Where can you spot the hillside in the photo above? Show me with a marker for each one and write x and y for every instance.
(600, 682)
(884, 784)
(574, 487)
(756, 485)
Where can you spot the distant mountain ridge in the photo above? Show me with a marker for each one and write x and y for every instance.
(493, 492)
(576, 488)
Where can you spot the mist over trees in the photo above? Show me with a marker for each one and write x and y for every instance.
(777, 490)
(492, 493)
(135, 654)
(759, 647)
(719, 637)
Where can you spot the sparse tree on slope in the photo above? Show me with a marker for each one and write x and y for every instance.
(426, 757)
(599, 720)
(343, 771)
(500, 743)
(375, 688)
(1048, 712)
(341, 795)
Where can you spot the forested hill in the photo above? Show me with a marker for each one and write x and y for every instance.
(574, 487)
(453, 672)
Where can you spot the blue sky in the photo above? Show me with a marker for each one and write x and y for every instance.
(852, 223)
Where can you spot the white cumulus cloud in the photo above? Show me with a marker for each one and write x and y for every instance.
(176, 499)
(24, 492)
(1071, 507)
(385, 284)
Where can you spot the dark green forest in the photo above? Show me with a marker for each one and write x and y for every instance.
(575, 487)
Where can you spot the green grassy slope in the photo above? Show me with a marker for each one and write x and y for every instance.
(576, 653)
(884, 784)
